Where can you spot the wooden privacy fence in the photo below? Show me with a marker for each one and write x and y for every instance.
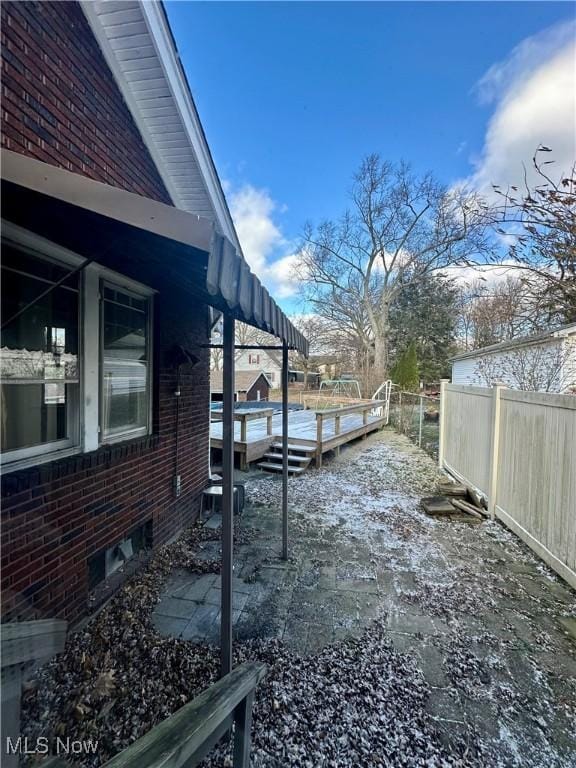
(519, 450)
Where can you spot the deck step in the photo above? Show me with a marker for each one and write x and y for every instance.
(300, 448)
(291, 457)
(278, 468)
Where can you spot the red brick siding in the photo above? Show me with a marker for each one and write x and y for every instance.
(60, 103)
(73, 508)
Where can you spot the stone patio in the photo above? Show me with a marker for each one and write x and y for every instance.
(491, 627)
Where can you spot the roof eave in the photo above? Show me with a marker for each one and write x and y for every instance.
(559, 333)
(166, 57)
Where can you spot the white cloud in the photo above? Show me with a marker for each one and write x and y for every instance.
(263, 243)
(534, 92)
(282, 272)
(489, 274)
(259, 236)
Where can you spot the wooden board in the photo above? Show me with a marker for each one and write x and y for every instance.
(301, 427)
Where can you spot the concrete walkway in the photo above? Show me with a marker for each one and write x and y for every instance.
(492, 629)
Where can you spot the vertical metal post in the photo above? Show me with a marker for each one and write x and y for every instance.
(420, 422)
(227, 495)
(285, 453)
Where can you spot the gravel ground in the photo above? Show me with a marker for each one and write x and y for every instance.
(506, 688)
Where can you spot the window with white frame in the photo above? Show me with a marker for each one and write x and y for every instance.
(75, 365)
(124, 398)
(39, 356)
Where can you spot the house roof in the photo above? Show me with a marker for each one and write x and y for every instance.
(113, 226)
(562, 331)
(136, 40)
(243, 380)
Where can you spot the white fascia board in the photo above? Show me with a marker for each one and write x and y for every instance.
(565, 333)
(89, 9)
(168, 59)
(172, 66)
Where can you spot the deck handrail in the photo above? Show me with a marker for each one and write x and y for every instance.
(185, 738)
(311, 402)
(336, 413)
(251, 415)
(369, 405)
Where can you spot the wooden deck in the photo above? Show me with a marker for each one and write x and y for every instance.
(323, 430)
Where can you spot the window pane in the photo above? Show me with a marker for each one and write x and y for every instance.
(125, 400)
(39, 353)
(41, 344)
(125, 390)
(33, 414)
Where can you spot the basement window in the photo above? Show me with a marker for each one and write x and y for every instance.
(107, 562)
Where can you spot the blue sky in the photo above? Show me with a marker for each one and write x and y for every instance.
(293, 95)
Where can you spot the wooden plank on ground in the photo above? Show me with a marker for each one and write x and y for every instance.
(468, 508)
(452, 489)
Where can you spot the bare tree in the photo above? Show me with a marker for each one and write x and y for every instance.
(317, 331)
(399, 227)
(541, 222)
(536, 368)
(244, 335)
(248, 335)
(504, 311)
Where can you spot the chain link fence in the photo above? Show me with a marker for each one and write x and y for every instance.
(418, 417)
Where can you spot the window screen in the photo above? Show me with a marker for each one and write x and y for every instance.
(125, 387)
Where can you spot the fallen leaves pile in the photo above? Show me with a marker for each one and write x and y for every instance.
(358, 702)
(118, 677)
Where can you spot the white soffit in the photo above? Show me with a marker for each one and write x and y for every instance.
(137, 44)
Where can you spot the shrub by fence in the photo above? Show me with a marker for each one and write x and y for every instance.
(519, 449)
(417, 417)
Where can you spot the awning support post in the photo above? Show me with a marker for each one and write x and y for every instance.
(227, 496)
(285, 452)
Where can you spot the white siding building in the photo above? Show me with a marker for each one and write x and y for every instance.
(545, 362)
(266, 360)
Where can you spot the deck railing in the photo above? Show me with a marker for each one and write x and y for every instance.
(335, 440)
(185, 738)
(317, 402)
(245, 416)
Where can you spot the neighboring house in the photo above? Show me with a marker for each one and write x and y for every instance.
(267, 360)
(328, 366)
(247, 386)
(545, 362)
(117, 248)
(299, 378)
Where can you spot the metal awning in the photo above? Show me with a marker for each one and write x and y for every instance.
(145, 239)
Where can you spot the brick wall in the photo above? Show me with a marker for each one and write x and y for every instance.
(60, 103)
(57, 515)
